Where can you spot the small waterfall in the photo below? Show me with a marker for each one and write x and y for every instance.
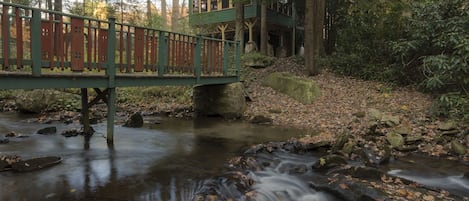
(286, 179)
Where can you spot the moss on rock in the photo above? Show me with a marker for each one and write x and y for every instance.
(301, 89)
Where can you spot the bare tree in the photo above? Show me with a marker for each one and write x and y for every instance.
(148, 10)
(175, 15)
(164, 13)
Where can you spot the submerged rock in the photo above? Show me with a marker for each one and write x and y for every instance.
(329, 162)
(260, 119)
(4, 141)
(376, 158)
(47, 130)
(11, 134)
(134, 121)
(340, 142)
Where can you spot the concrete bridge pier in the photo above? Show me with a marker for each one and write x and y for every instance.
(225, 100)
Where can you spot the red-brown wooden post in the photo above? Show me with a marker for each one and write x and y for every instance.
(102, 47)
(19, 39)
(51, 40)
(128, 51)
(138, 49)
(77, 47)
(89, 46)
(96, 42)
(147, 49)
(68, 41)
(60, 46)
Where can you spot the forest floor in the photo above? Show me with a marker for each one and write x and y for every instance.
(347, 107)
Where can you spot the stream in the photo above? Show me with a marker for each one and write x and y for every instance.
(175, 161)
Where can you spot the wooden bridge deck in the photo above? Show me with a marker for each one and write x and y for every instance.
(47, 49)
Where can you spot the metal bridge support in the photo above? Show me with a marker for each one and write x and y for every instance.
(108, 96)
(85, 114)
(111, 111)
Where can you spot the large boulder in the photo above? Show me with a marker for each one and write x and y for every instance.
(226, 100)
(301, 89)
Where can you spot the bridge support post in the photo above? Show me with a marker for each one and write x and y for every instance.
(85, 114)
(111, 111)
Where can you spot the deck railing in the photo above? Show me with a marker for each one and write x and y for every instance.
(42, 42)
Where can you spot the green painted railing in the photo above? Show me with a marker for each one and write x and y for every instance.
(40, 42)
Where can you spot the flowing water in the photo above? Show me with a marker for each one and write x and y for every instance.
(167, 161)
(174, 161)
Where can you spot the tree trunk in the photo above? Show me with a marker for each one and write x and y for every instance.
(164, 13)
(239, 26)
(264, 31)
(148, 11)
(49, 4)
(314, 19)
(175, 15)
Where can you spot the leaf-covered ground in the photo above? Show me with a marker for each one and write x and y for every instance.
(344, 107)
(341, 104)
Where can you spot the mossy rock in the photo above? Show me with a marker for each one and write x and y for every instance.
(301, 89)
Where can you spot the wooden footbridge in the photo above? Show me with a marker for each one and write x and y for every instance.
(47, 49)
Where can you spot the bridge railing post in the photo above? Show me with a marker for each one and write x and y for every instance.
(197, 59)
(36, 42)
(162, 53)
(225, 57)
(238, 59)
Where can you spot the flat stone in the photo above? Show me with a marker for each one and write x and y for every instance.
(359, 114)
(260, 119)
(408, 148)
(403, 130)
(47, 130)
(447, 126)
(395, 139)
(317, 145)
(409, 139)
(390, 120)
(449, 132)
(375, 114)
(35, 163)
(458, 148)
